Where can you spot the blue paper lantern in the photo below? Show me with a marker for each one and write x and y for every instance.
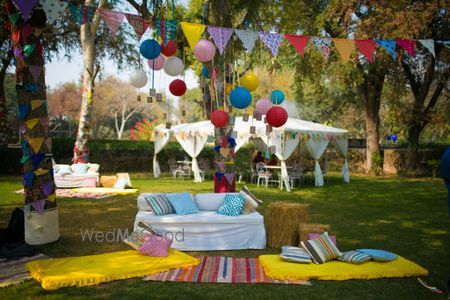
(205, 72)
(240, 98)
(150, 49)
(394, 138)
(277, 97)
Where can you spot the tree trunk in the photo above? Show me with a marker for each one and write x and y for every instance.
(3, 112)
(412, 153)
(38, 182)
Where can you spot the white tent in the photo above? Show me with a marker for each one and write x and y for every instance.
(316, 137)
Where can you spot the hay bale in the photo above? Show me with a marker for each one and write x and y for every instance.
(282, 223)
(305, 228)
(108, 181)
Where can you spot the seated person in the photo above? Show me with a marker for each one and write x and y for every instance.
(258, 158)
(273, 161)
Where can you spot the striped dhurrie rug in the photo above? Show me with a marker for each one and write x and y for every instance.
(220, 269)
(12, 271)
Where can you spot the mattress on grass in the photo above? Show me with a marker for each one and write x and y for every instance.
(94, 269)
(74, 180)
(276, 268)
(103, 190)
(208, 230)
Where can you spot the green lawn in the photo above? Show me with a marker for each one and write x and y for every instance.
(405, 216)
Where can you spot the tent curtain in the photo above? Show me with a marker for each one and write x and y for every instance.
(316, 147)
(161, 140)
(241, 140)
(193, 145)
(342, 147)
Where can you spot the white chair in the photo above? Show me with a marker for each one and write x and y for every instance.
(296, 175)
(262, 174)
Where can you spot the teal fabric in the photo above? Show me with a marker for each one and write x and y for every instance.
(231, 205)
(182, 203)
(160, 204)
(354, 257)
(378, 255)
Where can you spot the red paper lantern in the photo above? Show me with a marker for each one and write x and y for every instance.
(177, 87)
(219, 118)
(276, 116)
(169, 49)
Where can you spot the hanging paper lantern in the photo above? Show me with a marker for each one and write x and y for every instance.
(240, 98)
(177, 87)
(150, 49)
(228, 88)
(157, 63)
(219, 118)
(276, 116)
(173, 66)
(277, 97)
(138, 79)
(169, 49)
(249, 81)
(204, 50)
(205, 72)
(262, 106)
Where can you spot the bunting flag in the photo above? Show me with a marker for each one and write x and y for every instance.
(28, 49)
(53, 9)
(45, 122)
(220, 165)
(323, 45)
(408, 45)
(23, 110)
(81, 14)
(366, 47)
(389, 46)
(31, 123)
(345, 48)
(36, 144)
(47, 188)
(48, 143)
(166, 29)
(36, 159)
(25, 7)
(24, 159)
(112, 19)
(219, 175)
(31, 87)
(229, 177)
(28, 178)
(429, 45)
(26, 32)
(193, 32)
(248, 38)
(445, 43)
(13, 17)
(299, 42)
(40, 172)
(36, 103)
(138, 23)
(221, 36)
(272, 41)
(16, 36)
(38, 205)
(35, 72)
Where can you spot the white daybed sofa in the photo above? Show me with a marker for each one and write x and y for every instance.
(66, 176)
(206, 230)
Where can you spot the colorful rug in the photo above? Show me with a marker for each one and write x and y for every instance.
(104, 190)
(220, 269)
(68, 193)
(12, 271)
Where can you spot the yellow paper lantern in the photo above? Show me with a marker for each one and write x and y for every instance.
(228, 88)
(249, 81)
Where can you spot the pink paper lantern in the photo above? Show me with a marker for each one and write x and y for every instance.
(204, 50)
(157, 63)
(262, 106)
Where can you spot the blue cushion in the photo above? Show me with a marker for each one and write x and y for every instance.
(354, 257)
(231, 205)
(160, 204)
(183, 203)
(378, 255)
(295, 254)
(80, 168)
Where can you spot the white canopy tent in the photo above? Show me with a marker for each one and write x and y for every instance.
(192, 137)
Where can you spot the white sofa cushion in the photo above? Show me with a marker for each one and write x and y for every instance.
(63, 169)
(209, 201)
(142, 204)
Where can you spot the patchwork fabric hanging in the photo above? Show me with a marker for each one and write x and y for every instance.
(166, 29)
(138, 23)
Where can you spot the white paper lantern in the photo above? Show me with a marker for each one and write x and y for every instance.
(173, 66)
(138, 79)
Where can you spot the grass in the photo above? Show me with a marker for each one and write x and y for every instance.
(405, 216)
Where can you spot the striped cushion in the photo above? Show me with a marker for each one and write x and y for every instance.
(183, 203)
(137, 237)
(231, 205)
(321, 249)
(354, 257)
(295, 254)
(155, 246)
(160, 204)
(250, 201)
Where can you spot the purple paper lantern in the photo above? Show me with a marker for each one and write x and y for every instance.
(204, 50)
(157, 63)
(262, 106)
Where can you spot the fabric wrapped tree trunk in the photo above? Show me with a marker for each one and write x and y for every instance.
(316, 145)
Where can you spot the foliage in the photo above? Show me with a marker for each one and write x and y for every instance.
(143, 130)
(434, 165)
(377, 163)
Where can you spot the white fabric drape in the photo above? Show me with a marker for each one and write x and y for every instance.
(342, 147)
(193, 145)
(241, 140)
(316, 146)
(161, 139)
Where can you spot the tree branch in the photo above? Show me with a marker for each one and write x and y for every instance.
(96, 20)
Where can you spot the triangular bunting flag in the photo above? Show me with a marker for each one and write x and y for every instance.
(52, 197)
(445, 43)
(31, 123)
(36, 144)
(28, 49)
(23, 110)
(47, 188)
(48, 143)
(112, 19)
(272, 41)
(366, 47)
(408, 45)
(36, 159)
(26, 32)
(219, 175)
(24, 159)
(345, 48)
(299, 42)
(25, 7)
(248, 38)
(229, 177)
(40, 172)
(429, 44)
(221, 36)
(35, 72)
(389, 46)
(323, 45)
(16, 37)
(53, 9)
(36, 103)
(38, 205)
(193, 32)
(138, 23)
(220, 165)
(45, 122)
(13, 18)
(28, 178)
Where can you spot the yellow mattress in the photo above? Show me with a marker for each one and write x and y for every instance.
(94, 269)
(103, 190)
(276, 268)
